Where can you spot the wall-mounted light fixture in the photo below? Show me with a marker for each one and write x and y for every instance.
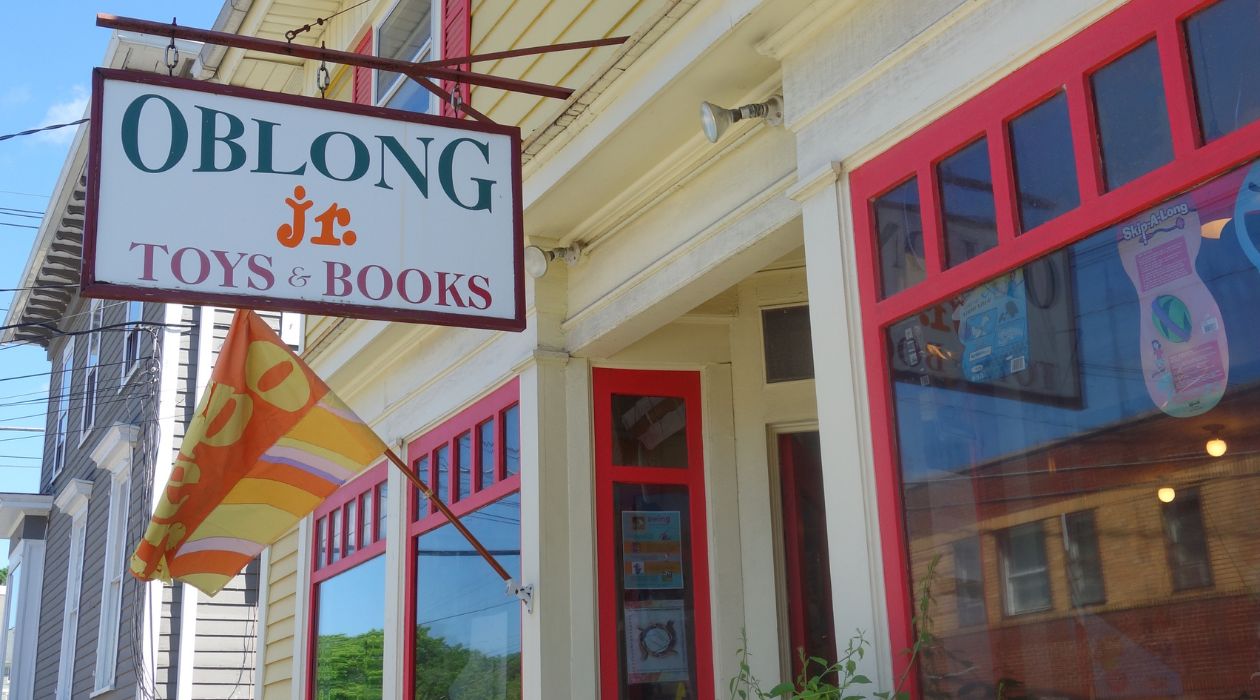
(716, 120)
(1215, 445)
(1166, 494)
(538, 259)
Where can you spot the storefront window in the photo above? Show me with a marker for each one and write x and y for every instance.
(966, 184)
(1046, 180)
(350, 637)
(1223, 55)
(468, 630)
(1132, 116)
(1052, 460)
(899, 230)
(649, 431)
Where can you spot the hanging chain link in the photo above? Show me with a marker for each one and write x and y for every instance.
(322, 77)
(172, 53)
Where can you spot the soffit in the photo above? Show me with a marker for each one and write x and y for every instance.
(659, 145)
(276, 72)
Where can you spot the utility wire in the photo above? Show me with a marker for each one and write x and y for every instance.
(2, 223)
(50, 127)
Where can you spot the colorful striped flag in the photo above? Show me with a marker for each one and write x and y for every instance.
(268, 443)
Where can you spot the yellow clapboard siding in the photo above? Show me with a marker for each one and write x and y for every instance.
(281, 604)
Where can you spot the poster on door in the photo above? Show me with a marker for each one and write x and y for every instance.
(651, 547)
(656, 641)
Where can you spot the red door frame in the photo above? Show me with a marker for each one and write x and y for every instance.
(1066, 67)
(668, 383)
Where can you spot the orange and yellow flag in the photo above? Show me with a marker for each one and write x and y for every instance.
(268, 443)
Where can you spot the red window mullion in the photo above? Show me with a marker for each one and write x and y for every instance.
(930, 216)
(1174, 61)
(1089, 174)
(500, 445)
(1002, 170)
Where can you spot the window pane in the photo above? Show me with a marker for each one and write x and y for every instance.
(382, 509)
(969, 582)
(1187, 544)
(1223, 56)
(10, 632)
(468, 632)
(1132, 115)
(789, 349)
(334, 518)
(966, 184)
(463, 446)
(367, 522)
(899, 234)
(1045, 171)
(1112, 355)
(352, 528)
(1080, 539)
(485, 438)
(655, 592)
(422, 501)
(321, 540)
(512, 440)
(350, 641)
(649, 431)
(410, 97)
(442, 477)
(403, 33)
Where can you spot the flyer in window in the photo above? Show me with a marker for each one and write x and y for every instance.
(656, 641)
(993, 327)
(651, 547)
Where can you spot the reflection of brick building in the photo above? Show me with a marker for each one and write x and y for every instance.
(1081, 583)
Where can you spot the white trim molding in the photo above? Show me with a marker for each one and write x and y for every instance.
(73, 501)
(113, 452)
(16, 506)
(26, 561)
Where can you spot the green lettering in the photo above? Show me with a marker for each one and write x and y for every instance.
(131, 134)
(404, 159)
(266, 146)
(210, 139)
(319, 156)
(447, 176)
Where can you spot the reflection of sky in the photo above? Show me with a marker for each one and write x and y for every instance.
(353, 602)
(946, 429)
(458, 596)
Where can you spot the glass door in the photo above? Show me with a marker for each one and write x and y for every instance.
(653, 580)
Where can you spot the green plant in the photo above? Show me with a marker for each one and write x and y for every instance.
(820, 679)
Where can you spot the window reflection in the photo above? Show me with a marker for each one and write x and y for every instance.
(1045, 169)
(899, 235)
(1132, 116)
(649, 431)
(1039, 414)
(350, 637)
(967, 202)
(1223, 56)
(468, 630)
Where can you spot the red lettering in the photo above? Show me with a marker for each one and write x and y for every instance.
(387, 284)
(229, 269)
(448, 287)
(479, 285)
(337, 272)
(148, 258)
(177, 265)
(263, 272)
(426, 286)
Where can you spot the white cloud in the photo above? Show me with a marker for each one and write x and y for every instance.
(68, 110)
(16, 95)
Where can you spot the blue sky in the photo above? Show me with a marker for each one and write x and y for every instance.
(48, 58)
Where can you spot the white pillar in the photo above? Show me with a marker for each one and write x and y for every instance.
(857, 582)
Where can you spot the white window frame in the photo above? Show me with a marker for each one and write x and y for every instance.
(73, 501)
(133, 340)
(113, 455)
(28, 560)
(428, 48)
(65, 385)
(1009, 575)
(91, 369)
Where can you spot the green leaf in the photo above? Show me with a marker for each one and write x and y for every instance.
(781, 688)
(860, 679)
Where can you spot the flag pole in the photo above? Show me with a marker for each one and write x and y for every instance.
(454, 519)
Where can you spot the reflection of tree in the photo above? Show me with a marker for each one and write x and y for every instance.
(349, 668)
(447, 671)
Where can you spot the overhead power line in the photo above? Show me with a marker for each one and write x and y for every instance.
(50, 127)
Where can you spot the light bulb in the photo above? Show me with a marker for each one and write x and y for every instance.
(1216, 447)
(1166, 494)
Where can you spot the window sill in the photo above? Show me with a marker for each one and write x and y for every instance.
(101, 691)
(128, 375)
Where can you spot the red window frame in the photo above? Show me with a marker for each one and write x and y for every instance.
(369, 484)
(494, 405)
(668, 383)
(1066, 67)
